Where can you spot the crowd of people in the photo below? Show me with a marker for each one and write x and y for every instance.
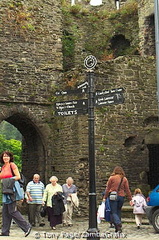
(59, 200)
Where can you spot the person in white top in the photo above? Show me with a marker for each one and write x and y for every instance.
(139, 203)
(53, 189)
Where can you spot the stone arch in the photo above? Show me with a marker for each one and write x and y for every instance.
(33, 143)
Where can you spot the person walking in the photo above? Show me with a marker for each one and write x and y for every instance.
(139, 203)
(118, 183)
(54, 201)
(69, 191)
(11, 188)
(34, 192)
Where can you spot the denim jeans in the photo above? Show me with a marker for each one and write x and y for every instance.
(116, 209)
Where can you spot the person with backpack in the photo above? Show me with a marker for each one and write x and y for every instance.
(11, 193)
(139, 203)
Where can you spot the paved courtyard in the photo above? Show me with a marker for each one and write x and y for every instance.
(79, 229)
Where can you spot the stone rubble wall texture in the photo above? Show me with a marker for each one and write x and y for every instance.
(31, 71)
(146, 9)
(113, 125)
(31, 67)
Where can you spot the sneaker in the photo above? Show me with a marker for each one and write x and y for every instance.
(138, 227)
(28, 232)
(54, 228)
(70, 225)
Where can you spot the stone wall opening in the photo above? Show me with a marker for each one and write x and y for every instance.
(152, 143)
(33, 154)
(153, 176)
(119, 44)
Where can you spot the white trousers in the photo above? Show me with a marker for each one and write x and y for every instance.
(67, 215)
(138, 219)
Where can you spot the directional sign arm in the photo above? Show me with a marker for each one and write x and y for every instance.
(70, 92)
(110, 99)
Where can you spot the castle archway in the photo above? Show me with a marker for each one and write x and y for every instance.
(33, 147)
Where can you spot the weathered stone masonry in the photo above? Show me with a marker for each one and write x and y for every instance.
(31, 71)
(31, 66)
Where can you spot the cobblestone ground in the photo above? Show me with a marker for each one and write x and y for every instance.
(79, 229)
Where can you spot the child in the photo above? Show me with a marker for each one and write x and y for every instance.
(139, 203)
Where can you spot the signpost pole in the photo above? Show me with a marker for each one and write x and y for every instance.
(92, 231)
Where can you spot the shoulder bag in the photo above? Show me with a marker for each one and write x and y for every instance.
(113, 195)
(22, 180)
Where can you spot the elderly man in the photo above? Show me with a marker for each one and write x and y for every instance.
(35, 191)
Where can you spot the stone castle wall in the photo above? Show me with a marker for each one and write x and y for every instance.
(120, 129)
(31, 68)
(31, 71)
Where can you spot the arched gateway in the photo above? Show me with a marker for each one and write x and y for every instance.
(33, 143)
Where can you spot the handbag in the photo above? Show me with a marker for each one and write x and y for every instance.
(43, 211)
(114, 194)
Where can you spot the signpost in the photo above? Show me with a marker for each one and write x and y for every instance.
(83, 106)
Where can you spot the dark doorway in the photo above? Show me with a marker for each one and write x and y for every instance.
(33, 152)
(153, 176)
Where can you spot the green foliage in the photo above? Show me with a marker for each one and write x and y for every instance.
(68, 41)
(13, 146)
(9, 131)
(102, 26)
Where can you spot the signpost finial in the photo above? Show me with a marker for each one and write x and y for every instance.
(90, 62)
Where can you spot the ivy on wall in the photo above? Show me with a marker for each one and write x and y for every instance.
(18, 17)
(107, 33)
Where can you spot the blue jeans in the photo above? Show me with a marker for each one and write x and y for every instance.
(116, 209)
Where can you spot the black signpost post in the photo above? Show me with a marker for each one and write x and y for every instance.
(83, 106)
(92, 230)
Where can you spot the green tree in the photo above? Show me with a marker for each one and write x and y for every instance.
(13, 146)
(9, 131)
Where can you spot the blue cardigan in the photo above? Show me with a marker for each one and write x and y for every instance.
(19, 194)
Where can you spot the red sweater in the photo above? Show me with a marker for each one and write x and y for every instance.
(113, 183)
